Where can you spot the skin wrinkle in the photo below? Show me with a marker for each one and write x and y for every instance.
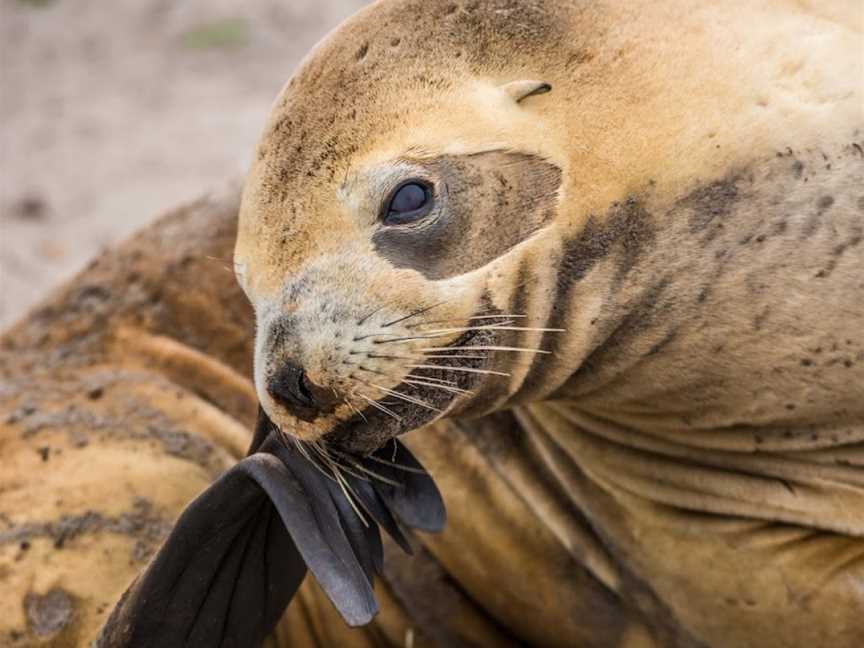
(688, 175)
(675, 282)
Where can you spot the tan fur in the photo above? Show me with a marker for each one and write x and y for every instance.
(122, 396)
(109, 425)
(655, 119)
(651, 484)
(704, 258)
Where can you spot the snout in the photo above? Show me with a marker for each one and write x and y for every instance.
(290, 386)
(342, 353)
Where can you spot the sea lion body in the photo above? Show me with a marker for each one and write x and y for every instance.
(671, 242)
(122, 399)
(682, 212)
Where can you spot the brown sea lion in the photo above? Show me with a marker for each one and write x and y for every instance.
(677, 222)
(612, 252)
(122, 397)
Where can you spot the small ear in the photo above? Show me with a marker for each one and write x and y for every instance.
(519, 90)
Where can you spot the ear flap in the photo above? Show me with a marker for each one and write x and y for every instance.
(520, 90)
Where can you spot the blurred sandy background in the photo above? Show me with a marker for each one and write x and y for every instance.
(111, 111)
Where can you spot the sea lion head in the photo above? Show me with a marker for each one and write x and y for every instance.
(407, 167)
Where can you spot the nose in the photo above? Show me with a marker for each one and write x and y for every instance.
(291, 388)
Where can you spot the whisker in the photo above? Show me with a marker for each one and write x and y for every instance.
(452, 390)
(303, 451)
(363, 319)
(354, 409)
(465, 319)
(346, 488)
(485, 348)
(397, 466)
(371, 371)
(404, 339)
(440, 380)
(464, 369)
(414, 314)
(336, 467)
(301, 447)
(375, 475)
(387, 357)
(496, 327)
(370, 472)
(405, 397)
(480, 327)
(465, 357)
(379, 406)
(438, 333)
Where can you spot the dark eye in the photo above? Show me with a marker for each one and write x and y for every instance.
(411, 201)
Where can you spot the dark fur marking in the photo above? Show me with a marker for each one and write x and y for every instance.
(798, 168)
(628, 230)
(667, 339)
(487, 392)
(331, 86)
(709, 205)
(779, 228)
(80, 424)
(365, 434)
(142, 523)
(492, 201)
(838, 252)
(519, 301)
(631, 225)
(823, 204)
(639, 318)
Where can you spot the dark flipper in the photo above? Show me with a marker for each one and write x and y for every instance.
(416, 501)
(238, 553)
(223, 576)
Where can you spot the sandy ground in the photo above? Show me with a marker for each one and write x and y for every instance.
(113, 111)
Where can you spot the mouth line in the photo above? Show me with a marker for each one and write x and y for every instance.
(371, 427)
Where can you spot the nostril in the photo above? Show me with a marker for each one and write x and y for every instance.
(290, 387)
(304, 388)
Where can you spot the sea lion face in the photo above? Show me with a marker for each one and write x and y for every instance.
(382, 199)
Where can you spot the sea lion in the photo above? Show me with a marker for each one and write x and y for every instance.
(618, 246)
(123, 395)
(647, 482)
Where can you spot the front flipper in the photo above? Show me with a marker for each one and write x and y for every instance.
(238, 553)
(222, 577)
